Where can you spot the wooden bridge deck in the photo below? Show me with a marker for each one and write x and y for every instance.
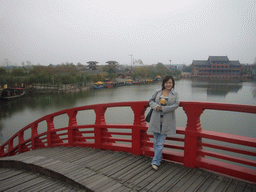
(86, 169)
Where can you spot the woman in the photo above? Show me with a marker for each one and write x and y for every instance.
(164, 102)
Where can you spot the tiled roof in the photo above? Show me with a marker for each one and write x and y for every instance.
(92, 62)
(201, 62)
(218, 58)
(234, 63)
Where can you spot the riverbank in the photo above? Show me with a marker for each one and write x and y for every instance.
(54, 90)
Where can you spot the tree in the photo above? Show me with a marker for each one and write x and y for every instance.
(162, 69)
(187, 68)
(3, 71)
(18, 72)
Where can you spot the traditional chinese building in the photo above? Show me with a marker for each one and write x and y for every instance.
(92, 65)
(216, 67)
(112, 63)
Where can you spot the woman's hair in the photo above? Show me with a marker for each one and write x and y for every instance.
(167, 78)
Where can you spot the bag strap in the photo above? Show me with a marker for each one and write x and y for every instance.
(154, 98)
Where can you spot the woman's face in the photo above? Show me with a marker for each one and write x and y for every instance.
(168, 84)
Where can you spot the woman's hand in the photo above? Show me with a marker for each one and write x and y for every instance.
(159, 108)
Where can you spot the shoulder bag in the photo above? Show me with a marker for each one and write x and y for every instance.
(148, 117)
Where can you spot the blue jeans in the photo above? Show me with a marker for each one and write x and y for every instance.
(158, 147)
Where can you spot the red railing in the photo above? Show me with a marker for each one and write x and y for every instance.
(228, 154)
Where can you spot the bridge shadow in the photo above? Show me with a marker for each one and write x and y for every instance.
(103, 170)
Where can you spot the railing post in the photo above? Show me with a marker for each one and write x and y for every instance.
(34, 132)
(20, 140)
(191, 145)
(50, 126)
(36, 142)
(139, 121)
(10, 147)
(1, 150)
(72, 122)
(98, 130)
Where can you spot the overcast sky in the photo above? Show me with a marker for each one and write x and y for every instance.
(56, 31)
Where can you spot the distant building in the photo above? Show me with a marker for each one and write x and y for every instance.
(216, 66)
(92, 65)
(112, 63)
(175, 66)
(247, 67)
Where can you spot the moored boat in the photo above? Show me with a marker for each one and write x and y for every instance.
(109, 84)
(98, 85)
(12, 93)
(129, 82)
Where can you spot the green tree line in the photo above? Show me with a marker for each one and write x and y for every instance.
(51, 75)
(70, 74)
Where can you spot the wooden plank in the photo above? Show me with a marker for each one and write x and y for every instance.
(107, 162)
(174, 180)
(129, 169)
(66, 153)
(92, 157)
(133, 172)
(200, 180)
(145, 173)
(165, 178)
(86, 176)
(80, 173)
(37, 187)
(183, 183)
(215, 184)
(118, 188)
(106, 185)
(33, 159)
(79, 153)
(90, 180)
(118, 166)
(15, 181)
(250, 188)
(27, 184)
(96, 182)
(110, 171)
(156, 177)
(44, 162)
(9, 173)
(207, 182)
(240, 186)
(55, 185)
(193, 178)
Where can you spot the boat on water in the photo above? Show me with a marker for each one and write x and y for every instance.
(98, 85)
(129, 82)
(12, 93)
(109, 84)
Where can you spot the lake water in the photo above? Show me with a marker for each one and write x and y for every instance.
(16, 114)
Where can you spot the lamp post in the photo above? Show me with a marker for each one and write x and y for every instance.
(131, 61)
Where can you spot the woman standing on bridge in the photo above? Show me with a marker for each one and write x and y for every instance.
(164, 102)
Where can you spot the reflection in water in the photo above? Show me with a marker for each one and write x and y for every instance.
(254, 92)
(40, 102)
(38, 105)
(216, 88)
(16, 114)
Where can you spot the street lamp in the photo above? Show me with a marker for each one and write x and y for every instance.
(131, 61)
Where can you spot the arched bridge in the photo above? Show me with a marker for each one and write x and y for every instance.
(193, 147)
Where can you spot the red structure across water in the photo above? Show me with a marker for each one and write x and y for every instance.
(228, 154)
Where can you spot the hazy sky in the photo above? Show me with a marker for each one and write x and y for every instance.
(56, 31)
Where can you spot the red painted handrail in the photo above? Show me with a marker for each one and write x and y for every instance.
(228, 154)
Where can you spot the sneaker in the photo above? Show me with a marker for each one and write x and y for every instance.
(154, 167)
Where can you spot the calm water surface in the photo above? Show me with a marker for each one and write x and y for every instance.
(16, 114)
